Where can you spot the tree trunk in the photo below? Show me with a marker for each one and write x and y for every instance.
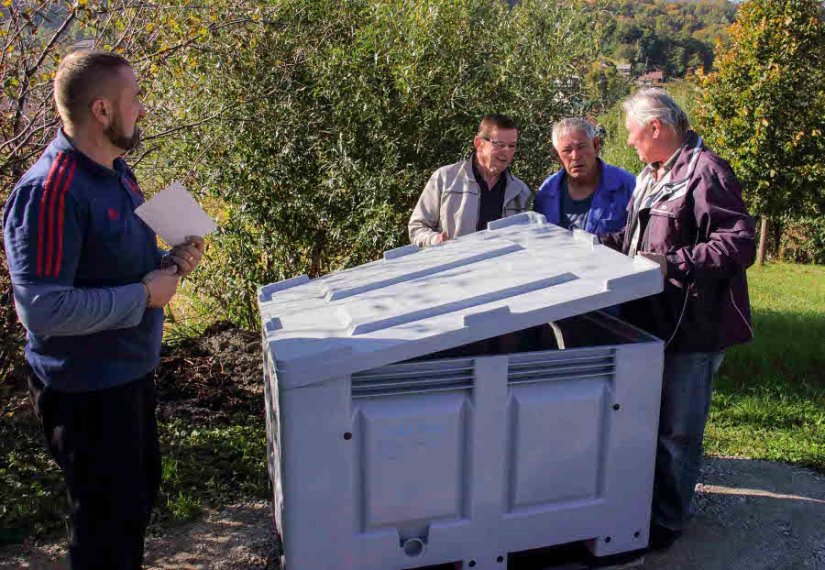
(763, 242)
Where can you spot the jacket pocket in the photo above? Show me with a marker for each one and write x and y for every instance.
(663, 231)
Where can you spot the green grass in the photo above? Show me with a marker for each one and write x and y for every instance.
(210, 466)
(769, 401)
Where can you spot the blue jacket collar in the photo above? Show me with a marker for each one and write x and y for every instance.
(608, 182)
(62, 143)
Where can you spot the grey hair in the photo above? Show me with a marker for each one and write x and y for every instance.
(572, 125)
(654, 103)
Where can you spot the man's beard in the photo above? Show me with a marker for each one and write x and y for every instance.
(114, 133)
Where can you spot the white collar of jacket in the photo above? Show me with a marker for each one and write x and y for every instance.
(511, 190)
(669, 189)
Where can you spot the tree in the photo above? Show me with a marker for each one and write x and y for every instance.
(672, 36)
(169, 45)
(356, 104)
(764, 109)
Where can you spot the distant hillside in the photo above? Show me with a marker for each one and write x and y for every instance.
(675, 36)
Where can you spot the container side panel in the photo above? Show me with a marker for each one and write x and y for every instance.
(412, 458)
(556, 441)
(318, 449)
(630, 458)
(273, 441)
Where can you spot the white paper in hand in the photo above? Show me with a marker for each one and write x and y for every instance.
(174, 214)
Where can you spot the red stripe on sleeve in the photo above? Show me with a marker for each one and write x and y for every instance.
(61, 214)
(41, 219)
(51, 222)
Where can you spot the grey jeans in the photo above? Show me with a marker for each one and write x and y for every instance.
(686, 393)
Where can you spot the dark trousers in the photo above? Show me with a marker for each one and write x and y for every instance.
(106, 443)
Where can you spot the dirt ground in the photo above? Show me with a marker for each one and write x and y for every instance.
(752, 515)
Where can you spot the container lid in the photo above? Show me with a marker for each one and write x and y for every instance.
(520, 272)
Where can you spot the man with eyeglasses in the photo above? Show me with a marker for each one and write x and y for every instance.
(464, 197)
(587, 193)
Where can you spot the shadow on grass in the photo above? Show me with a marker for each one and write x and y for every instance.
(32, 495)
(788, 352)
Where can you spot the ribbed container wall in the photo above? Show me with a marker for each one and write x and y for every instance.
(468, 459)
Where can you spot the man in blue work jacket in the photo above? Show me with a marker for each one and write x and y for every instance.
(90, 291)
(587, 193)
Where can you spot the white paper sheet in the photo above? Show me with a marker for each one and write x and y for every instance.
(174, 214)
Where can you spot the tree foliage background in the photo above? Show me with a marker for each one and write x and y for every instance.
(764, 109)
(353, 113)
(676, 37)
(308, 128)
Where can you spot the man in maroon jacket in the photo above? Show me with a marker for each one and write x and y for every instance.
(687, 214)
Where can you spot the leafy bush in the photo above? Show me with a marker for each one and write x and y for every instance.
(11, 332)
(802, 240)
(349, 109)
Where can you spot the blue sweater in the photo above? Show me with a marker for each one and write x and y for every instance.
(76, 254)
(608, 212)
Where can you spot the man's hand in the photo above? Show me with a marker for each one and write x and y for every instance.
(658, 258)
(442, 237)
(187, 255)
(162, 284)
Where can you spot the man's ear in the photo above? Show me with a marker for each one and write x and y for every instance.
(597, 144)
(554, 154)
(101, 111)
(477, 142)
(656, 127)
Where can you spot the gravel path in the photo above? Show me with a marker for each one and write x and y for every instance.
(752, 515)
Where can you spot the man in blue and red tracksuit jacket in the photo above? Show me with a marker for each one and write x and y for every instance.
(88, 288)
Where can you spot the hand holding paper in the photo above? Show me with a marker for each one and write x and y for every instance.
(175, 215)
(188, 255)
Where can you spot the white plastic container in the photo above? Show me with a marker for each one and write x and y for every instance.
(408, 427)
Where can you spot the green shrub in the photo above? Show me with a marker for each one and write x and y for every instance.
(349, 108)
(802, 240)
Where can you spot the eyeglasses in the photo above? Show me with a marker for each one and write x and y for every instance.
(498, 145)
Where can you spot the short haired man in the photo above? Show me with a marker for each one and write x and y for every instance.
(464, 197)
(89, 289)
(686, 214)
(587, 193)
